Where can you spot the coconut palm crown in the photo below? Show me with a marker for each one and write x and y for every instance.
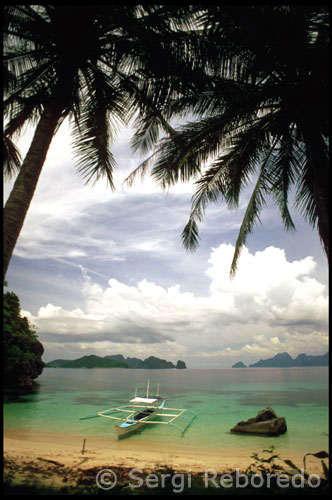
(260, 118)
(83, 62)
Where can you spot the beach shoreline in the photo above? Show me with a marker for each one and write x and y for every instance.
(60, 458)
(67, 449)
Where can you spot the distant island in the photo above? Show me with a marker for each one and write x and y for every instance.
(284, 360)
(239, 364)
(114, 361)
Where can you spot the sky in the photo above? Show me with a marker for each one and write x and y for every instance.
(104, 272)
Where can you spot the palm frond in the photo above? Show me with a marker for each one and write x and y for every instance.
(11, 158)
(313, 185)
(284, 172)
(251, 216)
(150, 120)
(146, 134)
(182, 156)
(190, 235)
(227, 176)
(30, 80)
(141, 170)
(305, 198)
(101, 111)
(254, 207)
(22, 111)
(91, 143)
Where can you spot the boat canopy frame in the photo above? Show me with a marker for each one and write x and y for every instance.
(131, 410)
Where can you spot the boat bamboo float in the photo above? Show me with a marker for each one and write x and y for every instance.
(144, 410)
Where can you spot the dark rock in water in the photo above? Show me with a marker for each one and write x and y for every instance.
(266, 423)
(180, 365)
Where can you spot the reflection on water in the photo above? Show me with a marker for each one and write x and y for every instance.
(11, 395)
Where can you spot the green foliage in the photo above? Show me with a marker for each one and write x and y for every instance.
(17, 331)
(87, 362)
(93, 361)
(21, 347)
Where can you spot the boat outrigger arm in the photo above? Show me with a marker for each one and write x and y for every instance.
(168, 415)
(141, 411)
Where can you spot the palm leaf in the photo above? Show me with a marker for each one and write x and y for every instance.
(190, 235)
(225, 179)
(91, 145)
(284, 171)
(305, 198)
(181, 157)
(255, 205)
(11, 158)
(101, 110)
(140, 170)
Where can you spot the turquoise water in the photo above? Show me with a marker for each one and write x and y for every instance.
(220, 398)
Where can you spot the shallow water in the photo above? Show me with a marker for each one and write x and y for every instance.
(220, 398)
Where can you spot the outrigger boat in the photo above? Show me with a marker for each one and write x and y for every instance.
(144, 410)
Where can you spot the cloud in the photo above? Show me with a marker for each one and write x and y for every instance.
(264, 347)
(267, 287)
(270, 306)
(105, 272)
(84, 224)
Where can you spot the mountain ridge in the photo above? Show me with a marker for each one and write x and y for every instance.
(285, 360)
(115, 361)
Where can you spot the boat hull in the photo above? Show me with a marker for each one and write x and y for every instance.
(125, 431)
(127, 428)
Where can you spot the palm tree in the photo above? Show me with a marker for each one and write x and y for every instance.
(260, 117)
(86, 63)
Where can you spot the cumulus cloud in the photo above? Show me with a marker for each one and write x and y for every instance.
(272, 305)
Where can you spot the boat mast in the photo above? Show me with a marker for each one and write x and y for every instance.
(147, 388)
(158, 390)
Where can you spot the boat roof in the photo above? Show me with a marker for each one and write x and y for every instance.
(143, 400)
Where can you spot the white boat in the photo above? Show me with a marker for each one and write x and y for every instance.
(145, 410)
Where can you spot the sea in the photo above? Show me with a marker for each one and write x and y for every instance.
(220, 398)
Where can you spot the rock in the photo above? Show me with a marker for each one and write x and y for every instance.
(180, 365)
(266, 423)
(27, 372)
(266, 414)
(22, 349)
(22, 374)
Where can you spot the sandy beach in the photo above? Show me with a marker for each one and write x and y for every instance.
(67, 449)
(57, 458)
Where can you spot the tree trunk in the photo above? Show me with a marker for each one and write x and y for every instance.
(22, 193)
